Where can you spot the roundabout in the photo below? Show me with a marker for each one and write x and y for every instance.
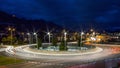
(29, 50)
(61, 53)
(63, 59)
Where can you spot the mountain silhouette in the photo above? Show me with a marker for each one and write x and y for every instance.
(24, 25)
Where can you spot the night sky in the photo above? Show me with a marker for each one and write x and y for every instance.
(65, 12)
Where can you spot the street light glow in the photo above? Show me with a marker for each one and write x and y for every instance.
(48, 33)
(93, 38)
(28, 33)
(82, 33)
(34, 33)
(91, 30)
(13, 29)
(9, 29)
(93, 33)
(65, 33)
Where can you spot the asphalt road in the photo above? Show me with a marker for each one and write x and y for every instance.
(74, 61)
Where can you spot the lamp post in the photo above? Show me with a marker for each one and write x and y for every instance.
(91, 30)
(29, 38)
(93, 33)
(49, 37)
(36, 37)
(81, 37)
(65, 33)
(11, 33)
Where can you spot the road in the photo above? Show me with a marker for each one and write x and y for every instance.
(2, 49)
(102, 58)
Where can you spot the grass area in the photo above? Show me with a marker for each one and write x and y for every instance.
(9, 60)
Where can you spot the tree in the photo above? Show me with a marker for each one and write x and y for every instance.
(54, 42)
(14, 40)
(4, 40)
(20, 41)
(62, 46)
(39, 44)
(7, 40)
(79, 42)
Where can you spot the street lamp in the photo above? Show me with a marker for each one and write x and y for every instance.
(11, 32)
(93, 33)
(49, 36)
(82, 33)
(65, 33)
(91, 30)
(29, 38)
(36, 38)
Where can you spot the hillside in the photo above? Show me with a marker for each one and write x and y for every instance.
(7, 20)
